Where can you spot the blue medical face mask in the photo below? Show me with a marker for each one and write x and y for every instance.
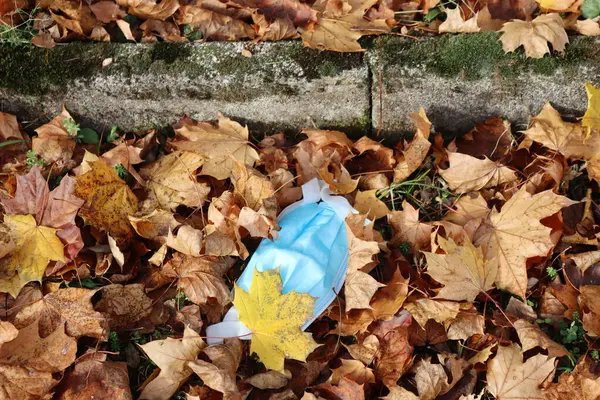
(311, 253)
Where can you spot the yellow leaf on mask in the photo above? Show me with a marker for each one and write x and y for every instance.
(591, 118)
(275, 319)
(35, 246)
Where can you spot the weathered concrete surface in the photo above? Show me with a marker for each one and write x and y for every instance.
(462, 79)
(283, 86)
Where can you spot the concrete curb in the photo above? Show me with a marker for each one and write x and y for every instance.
(458, 79)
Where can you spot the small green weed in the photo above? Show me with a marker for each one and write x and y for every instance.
(33, 160)
(121, 171)
(114, 343)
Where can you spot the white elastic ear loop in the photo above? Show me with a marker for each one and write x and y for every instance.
(230, 327)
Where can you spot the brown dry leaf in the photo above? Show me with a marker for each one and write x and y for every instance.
(412, 156)
(387, 301)
(515, 234)
(213, 22)
(400, 393)
(222, 235)
(332, 34)
(423, 310)
(359, 286)
(346, 389)
(468, 173)
(172, 182)
(431, 379)
(579, 384)
(95, 378)
(108, 201)
(7, 332)
(455, 23)
(590, 306)
(531, 336)
(354, 371)
(468, 210)
(155, 226)
(107, 11)
(149, 9)
(300, 14)
(509, 378)
(465, 325)
(268, 380)
(70, 308)
(220, 374)
(587, 27)
(251, 187)
(173, 357)
(220, 144)
(535, 35)
(383, 155)
(257, 224)
(491, 138)
(568, 138)
(364, 352)
(340, 181)
(200, 278)
(394, 355)
(368, 203)
(188, 241)
(462, 270)
(9, 127)
(124, 306)
(53, 143)
(408, 228)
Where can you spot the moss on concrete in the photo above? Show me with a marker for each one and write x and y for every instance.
(474, 56)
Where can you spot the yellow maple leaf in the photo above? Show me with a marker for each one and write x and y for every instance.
(463, 270)
(108, 201)
(591, 118)
(535, 35)
(35, 246)
(467, 173)
(275, 319)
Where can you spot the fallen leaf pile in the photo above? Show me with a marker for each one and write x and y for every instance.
(477, 279)
(322, 24)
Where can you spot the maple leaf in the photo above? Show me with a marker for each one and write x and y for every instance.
(465, 325)
(412, 157)
(580, 384)
(108, 201)
(515, 234)
(354, 371)
(9, 127)
(54, 144)
(468, 173)
(591, 118)
(95, 377)
(532, 336)
(345, 389)
(395, 352)
(173, 357)
(387, 301)
(188, 241)
(155, 226)
(268, 380)
(423, 310)
(220, 144)
(383, 155)
(431, 379)
(220, 374)
(567, 138)
(35, 246)
(462, 270)
(367, 203)
(364, 352)
(216, 23)
(535, 35)
(172, 182)
(124, 306)
(200, 278)
(455, 23)
(408, 228)
(509, 378)
(275, 319)
(149, 9)
(70, 308)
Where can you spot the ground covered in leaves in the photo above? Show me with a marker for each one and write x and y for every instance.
(325, 24)
(478, 278)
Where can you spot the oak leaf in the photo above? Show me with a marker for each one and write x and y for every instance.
(275, 319)
(35, 246)
(515, 234)
(509, 377)
(219, 374)
(535, 35)
(108, 201)
(70, 308)
(200, 278)
(217, 143)
(462, 270)
(467, 173)
(173, 357)
(172, 182)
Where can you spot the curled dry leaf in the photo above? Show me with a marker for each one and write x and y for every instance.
(408, 228)
(220, 373)
(531, 336)
(188, 241)
(354, 371)
(173, 357)
(155, 226)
